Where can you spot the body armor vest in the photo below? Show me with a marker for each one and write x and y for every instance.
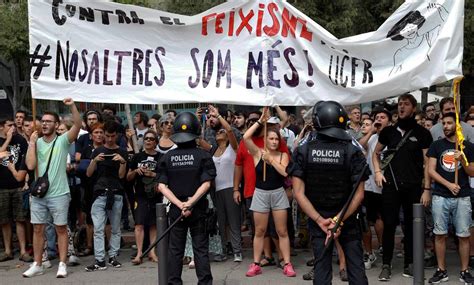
(328, 181)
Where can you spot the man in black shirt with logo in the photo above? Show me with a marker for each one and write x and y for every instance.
(324, 172)
(407, 144)
(12, 179)
(109, 163)
(451, 200)
(185, 176)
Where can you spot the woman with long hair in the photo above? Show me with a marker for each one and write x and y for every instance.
(270, 169)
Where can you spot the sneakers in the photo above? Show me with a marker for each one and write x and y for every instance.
(369, 259)
(343, 275)
(98, 265)
(288, 270)
(238, 257)
(114, 262)
(309, 275)
(439, 276)
(73, 260)
(254, 270)
(34, 270)
(380, 251)
(466, 277)
(47, 264)
(386, 273)
(408, 271)
(62, 270)
(192, 265)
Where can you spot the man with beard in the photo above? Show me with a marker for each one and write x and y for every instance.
(451, 200)
(239, 121)
(446, 105)
(210, 133)
(56, 201)
(407, 143)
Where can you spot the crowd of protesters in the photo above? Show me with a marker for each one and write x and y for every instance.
(96, 179)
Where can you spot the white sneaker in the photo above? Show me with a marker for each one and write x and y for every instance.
(34, 270)
(62, 270)
(369, 259)
(73, 260)
(47, 264)
(238, 257)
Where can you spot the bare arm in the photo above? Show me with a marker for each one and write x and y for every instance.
(31, 152)
(93, 165)
(76, 119)
(306, 206)
(379, 177)
(283, 116)
(163, 188)
(426, 195)
(252, 148)
(8, 139)
(280, 166)
(238, 173)
(19, 175)
(230, 134)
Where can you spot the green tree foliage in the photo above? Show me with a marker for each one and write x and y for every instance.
(14, 62)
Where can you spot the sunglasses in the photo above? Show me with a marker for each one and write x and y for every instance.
(151, 126)
(167, 123)
(150, 139)
(251, 120)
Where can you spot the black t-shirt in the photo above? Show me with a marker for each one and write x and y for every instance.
(108, 170)
(17, 148)
(82, 143)
(407, 164)
(443, 151)
(142, 159)
(184, 170)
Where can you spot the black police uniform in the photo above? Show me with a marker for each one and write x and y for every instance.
(329, 168)
(184, 170)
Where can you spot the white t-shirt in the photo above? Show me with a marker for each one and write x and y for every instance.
(289, 136)
(225, 165)
(370, 185)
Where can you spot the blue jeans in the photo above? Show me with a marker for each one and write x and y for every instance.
(456, 210)
(99, 218)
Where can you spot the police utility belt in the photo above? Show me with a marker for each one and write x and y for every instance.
(110, 196)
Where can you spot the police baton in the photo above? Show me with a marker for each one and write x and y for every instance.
(343, 213)
(170, 227)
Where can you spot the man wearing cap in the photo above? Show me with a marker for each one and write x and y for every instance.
(185, 176)
(324, 173)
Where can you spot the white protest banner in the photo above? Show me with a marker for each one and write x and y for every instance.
(241, 52)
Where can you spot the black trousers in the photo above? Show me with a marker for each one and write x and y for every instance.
(177, 243)
(350, 240)
(392, 200)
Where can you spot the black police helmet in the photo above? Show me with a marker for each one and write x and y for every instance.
(186, 128)
(330, 119)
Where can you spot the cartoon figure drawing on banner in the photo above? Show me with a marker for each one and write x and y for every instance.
(417, 32)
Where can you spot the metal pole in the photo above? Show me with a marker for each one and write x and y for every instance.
(418, 244)
(161, 226)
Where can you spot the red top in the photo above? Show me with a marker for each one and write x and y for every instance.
(245, 159)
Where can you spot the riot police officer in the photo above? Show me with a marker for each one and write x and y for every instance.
(324, 172)
(185, 176)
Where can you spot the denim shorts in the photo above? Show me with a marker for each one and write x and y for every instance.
(264, 201)
(44, 208)
(454, 210)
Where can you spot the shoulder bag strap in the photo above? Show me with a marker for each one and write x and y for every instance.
(50, 155)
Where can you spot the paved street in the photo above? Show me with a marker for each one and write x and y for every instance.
(224, 273)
